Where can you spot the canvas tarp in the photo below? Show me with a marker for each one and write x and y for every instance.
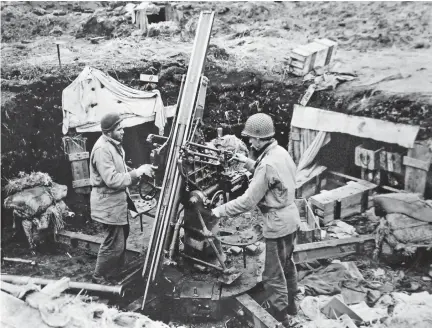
(93, 94)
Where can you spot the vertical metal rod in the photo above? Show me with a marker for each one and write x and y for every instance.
(244, 256)
(58, 54)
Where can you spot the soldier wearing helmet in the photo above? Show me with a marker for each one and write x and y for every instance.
(272, 189)
(109, 199)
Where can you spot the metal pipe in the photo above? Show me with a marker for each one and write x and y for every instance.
(210, 241)
(211, 190)
(209, 148)
(24, 280)
(194, 153)
(17, 260)
(202, 262)
(175, 234)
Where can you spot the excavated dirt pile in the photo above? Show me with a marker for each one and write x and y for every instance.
(385, 46)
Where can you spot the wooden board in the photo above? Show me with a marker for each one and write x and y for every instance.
(415, 173)
(91, 243)
(310, 230)
(296, 145)
(257, 317)
(76, 151)
(149, 78)
(333, 248)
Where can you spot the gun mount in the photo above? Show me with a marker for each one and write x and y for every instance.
(192, 177)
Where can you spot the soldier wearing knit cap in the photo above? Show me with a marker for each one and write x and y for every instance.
(109, 199)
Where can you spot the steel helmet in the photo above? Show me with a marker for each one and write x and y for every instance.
(259, 126)
(109, 121)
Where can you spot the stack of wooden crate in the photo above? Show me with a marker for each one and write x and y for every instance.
(342, 202)
(305, 58)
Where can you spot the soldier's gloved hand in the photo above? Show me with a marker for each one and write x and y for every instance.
(239, 157)
(146, 169)
(215, 212)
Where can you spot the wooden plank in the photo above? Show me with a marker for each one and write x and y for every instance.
(301, 144)
(91, 243)
(383, 161)
(416, 163)
(295, 136)
(47, 293)
(333, 248)
(416, 178)
(78, 156)
(149, 78)
(363, 127)
(298, 57)
(81, 183)
(349, 177)
(296, 63)
(306, 97)
(296, 145)
(252, 312)
(297, 71)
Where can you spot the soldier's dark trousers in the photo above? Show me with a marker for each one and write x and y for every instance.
(111, 254)
(280, 274)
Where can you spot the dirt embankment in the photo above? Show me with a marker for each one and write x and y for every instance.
(246, 64)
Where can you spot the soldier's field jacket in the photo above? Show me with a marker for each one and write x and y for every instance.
(110, 179)
(272, 189)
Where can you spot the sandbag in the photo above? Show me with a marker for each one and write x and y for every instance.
(406, 203)
(34, 201)
(408, 230)
(26, 181)
(401, 233)
(55, 214)
(232, 144)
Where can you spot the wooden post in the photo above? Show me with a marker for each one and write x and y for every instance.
(141, 19)
(75, 149)
(417, 165)
(296, 140)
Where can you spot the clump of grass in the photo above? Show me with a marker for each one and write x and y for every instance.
(26, 181)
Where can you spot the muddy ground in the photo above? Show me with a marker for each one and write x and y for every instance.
(385, 45)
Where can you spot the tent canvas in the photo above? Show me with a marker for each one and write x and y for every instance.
(93, 94)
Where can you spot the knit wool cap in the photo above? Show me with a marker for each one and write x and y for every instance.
(109, 121)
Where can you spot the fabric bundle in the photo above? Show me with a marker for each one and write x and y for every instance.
(37, 206)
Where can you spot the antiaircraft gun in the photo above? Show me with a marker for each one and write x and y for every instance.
(193, 177)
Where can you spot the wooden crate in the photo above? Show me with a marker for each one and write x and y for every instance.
(75, 148)
(367, 158)
(390, 161)
(417, 167)
(341, 202)
(310, 230)
(305, 58)
(309, 188)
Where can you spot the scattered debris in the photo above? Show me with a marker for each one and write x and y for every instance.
(50, 307)
(339, 229)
